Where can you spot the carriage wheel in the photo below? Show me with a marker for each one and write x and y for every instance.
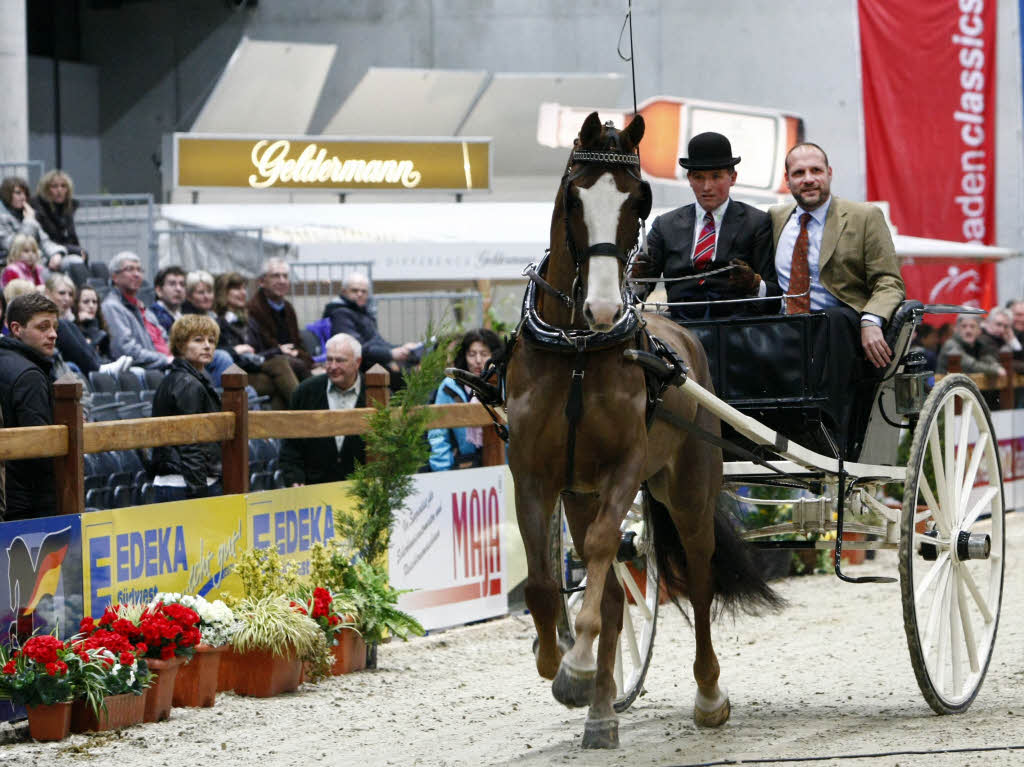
(952, 545)
(638, 575)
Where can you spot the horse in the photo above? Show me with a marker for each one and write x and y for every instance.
(570, 353)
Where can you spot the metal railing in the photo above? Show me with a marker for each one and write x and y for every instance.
(233, 249)
(405, 317)
(30, 170)
(109, 223)
(315, 283)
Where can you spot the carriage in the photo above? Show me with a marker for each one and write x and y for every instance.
(618, 420)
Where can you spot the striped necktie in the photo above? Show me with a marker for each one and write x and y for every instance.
(705, 250)
(800, 273)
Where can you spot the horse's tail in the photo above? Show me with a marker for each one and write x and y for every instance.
(738, 582)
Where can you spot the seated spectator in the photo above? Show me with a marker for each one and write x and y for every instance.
(26, 399)
(132, 331)
(169, 286)
(22, 262)
(327, 459)
(974, 356)
(55, 207)
(459, 448)
(350, 314)
(997, 335)
(89, 319)
(199, 294)
(20, 287)
(273, 326)
(188, 471)
(272, 376)
(18, 217)
(72, 344)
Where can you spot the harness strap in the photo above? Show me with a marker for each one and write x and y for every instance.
(606, 249)
(574, 413)
(547, 287)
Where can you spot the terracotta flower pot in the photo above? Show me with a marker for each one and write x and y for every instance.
(161, 691)
(854, 556)
(197, 681)
(349, 653)
(121, 711)
(226, 672)
(261, 674)
(49, 721)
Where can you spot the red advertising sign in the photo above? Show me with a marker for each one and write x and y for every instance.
(928, 73)
(960, 281)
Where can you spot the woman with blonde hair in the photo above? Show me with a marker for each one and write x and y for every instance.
(23, 261)
(199, 294)
(55, 207)
(18, 217)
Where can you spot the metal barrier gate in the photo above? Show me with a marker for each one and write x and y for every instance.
(405, 317)
(30, 170)
(314, 284)
(109, 223)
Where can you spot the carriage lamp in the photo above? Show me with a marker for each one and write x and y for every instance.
(910, 385)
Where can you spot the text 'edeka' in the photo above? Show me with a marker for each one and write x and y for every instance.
(293, 530)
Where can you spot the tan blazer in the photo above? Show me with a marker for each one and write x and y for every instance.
(857, 261)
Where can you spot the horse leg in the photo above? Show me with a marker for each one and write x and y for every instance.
(601, 729)
(533, 510)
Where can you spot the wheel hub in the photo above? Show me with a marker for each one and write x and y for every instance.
(973, 545)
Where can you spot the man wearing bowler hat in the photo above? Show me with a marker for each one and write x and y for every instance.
(707, 236)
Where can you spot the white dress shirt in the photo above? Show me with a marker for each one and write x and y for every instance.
(698, 213)
(820, 297)
(338, 399)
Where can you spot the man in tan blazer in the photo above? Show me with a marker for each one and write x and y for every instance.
(851, 257)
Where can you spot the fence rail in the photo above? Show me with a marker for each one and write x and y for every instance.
(70, 439)
(30, 170)
(407, 316)
(109, 223)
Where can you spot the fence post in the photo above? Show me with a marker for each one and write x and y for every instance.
(378, 381)
(235, 452)
(953, 364)
(70, 468)
(1006, 392)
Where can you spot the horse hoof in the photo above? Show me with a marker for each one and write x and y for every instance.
(573, 688)
(601, 733)
(711, 717)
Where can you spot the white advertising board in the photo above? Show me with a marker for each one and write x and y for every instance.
(449, 544)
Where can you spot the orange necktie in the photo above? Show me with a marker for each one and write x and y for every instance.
(800, 273)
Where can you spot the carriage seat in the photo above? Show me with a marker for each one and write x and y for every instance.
(909, 311)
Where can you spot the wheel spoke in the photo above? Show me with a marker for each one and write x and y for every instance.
(942, 649)
(938, 509)
(630, 636)
(933, 505)
(961, 450)
(929, 640)
(965, 620)
(979, 599)
(937, 568)
(955, 639)
(626, 579)
(972, 471)
(948, 466)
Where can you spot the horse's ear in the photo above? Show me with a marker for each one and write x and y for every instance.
(591, 130)
(635, 131)
(643, 205)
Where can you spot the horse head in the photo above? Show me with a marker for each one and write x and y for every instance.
(604, 199)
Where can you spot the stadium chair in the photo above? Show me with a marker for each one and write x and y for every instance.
(321, 332)
(102, 287)
(124, 495)
(128, 381)
(110, 411)
(278, 478)
(97, 498)
(145, 494)
(100, 398)
(79, 274)
(102, 382)
(153, 379)
(100, 271)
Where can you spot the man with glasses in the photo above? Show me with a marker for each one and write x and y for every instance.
(273, 324)
(350, 314)
(132, 333)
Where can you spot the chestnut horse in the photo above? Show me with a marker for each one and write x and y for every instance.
(578, 430)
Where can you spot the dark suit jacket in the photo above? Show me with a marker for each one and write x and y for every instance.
(316, 460)
(745, 234)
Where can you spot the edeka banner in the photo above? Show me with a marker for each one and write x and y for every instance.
(294, 518)
(449, 544)
(186, 546)
(928, 71)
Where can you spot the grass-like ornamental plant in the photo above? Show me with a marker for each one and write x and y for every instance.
(270, 624)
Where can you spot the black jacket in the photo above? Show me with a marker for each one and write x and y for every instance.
(58, 221)
(185, 391)
(745, 233)
(349, 317)
(97, 337)
(75, 347)
(312, 461)
(26, 398)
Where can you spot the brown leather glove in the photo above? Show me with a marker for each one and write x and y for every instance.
(743, 279)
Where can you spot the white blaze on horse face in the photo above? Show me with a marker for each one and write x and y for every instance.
(601, 205)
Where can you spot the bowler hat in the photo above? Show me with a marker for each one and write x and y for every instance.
(708, 151)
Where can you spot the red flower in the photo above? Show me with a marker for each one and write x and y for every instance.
(334, 620)
(126, 659)
(51, 669)
(87, 626)
(167, 653)
(10, 667)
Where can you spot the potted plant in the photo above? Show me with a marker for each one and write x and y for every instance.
(115, 681)
(196, 681)
(328, 564)
(335, 617)
(377, 613)
(44, 675)
(272, 643)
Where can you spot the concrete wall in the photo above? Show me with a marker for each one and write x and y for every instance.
(13, 82)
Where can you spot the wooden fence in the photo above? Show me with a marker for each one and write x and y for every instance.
(69, 439)
(1005, 384)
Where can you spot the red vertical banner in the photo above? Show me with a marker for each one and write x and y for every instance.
(928, 69)
(958, 281)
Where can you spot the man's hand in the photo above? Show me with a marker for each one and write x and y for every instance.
(289, 349)
(875, 348)
(55, 261)
(742, 278)
(399, 354)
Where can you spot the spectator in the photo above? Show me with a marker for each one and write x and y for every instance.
(19, 287)
(3, 470)
(72, 344)
(974, 356)
(26, 399)
(199, 294)
(350, 314)
(327, 459)
(89, 319)
(272, 376)
(273, 326)
(997, 334)
(132, 332)
(926, 341)
(55, 207)
(169, 285)
(188, 471)
(18, 217)
(22, 261)
(459, 448)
